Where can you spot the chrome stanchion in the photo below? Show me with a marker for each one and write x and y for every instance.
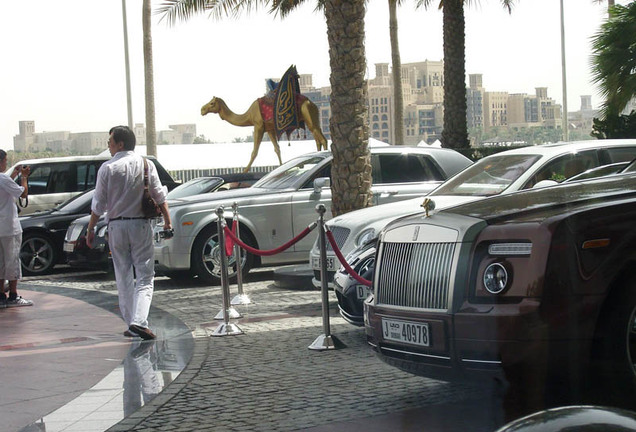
(241, 298)
(325, 341)
(226, 328)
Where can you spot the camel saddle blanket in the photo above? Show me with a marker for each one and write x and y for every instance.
(266, 105)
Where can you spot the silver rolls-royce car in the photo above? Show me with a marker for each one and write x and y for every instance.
(283, 203)
(537, 287)
(501, 173)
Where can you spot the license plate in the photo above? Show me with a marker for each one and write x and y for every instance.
(331, 263)
(68, 247)
(362, 292)
(406, 332)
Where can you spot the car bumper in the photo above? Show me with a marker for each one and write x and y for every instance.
(480, 341)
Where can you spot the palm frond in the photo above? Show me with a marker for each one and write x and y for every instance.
(182, 10)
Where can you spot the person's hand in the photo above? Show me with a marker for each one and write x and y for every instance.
(90, 237)
(25, 170)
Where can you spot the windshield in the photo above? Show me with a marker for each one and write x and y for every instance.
(195, 187)
(488, 176)
(290, 173)
(77, 204)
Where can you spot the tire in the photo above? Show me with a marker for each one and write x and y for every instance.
(614, 356)
(206, 257)
(37, 254)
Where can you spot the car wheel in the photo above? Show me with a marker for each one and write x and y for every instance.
(37, 254)
(615, 349)
(206, 257)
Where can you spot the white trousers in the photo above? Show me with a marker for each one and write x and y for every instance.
(10, 267)
(130, 243)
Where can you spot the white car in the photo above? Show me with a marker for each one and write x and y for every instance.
(283, 203)
(501, 173)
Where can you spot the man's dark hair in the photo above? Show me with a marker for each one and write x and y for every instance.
(125, 134)
(3, 154)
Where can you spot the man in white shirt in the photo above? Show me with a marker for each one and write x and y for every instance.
(118, 191)
(11, 232)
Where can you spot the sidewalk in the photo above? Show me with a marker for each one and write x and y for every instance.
(268, 380)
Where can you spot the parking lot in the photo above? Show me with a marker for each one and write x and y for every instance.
(266, 378)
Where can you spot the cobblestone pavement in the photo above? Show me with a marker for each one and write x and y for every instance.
(268, 380)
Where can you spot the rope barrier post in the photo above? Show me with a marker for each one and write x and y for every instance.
(226, 328)
(325, 341)
(241, 298)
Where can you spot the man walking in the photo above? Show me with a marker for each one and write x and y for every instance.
(118, 191)
(11, 232)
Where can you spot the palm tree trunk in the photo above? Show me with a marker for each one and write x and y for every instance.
(398, 96)
(151, 131)
(351, 167)
(455, 133)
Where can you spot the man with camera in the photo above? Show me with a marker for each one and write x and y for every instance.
(119, 190)
(11, 232)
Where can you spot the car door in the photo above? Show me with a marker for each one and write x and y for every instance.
(400, 176)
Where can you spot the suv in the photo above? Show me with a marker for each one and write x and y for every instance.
(55, 180)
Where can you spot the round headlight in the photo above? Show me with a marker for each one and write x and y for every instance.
(365, 236)
(495, 278)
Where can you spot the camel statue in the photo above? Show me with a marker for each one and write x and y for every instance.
(253, 117)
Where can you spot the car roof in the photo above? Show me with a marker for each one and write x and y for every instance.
(569, 146)
(63, 159)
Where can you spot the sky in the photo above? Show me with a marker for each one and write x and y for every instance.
(63, 62)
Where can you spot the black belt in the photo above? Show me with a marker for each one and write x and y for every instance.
(126, 218)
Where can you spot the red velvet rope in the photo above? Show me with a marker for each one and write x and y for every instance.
(344, 262)
(279, 249)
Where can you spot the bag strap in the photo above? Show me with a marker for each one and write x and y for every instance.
(145, 173)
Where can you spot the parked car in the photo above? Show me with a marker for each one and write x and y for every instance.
(54, 180)
(577, 418)
(282, 203)
(77, 252)
(502, 173)
(43, 234)
(201, 185)
(540, 282)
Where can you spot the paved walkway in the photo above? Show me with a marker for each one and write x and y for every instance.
(265, 379)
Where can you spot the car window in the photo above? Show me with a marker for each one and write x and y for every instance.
(405, 168)
(564, 167)
(77, 204)
(288, 174)
(618, 154)
(63, 178)
(38, 179)
(488, 176)
(87, 175)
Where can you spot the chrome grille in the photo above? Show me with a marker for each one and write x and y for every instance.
(415, 275)
(340, 236)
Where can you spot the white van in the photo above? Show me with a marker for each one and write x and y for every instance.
(54, 180)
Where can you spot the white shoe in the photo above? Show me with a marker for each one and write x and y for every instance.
(19, 301)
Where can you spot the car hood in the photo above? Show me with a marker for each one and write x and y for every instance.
(387, 212)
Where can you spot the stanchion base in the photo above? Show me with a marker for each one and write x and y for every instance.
(233, 314)
(241, 299)
(324, 342)
(227, 329)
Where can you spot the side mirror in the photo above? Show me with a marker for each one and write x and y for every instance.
(544, 183)
(321, 183)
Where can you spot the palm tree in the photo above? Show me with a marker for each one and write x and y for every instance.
(613, 60)
(149, 83)
(455, 132)
(396, 63)
(351, 167)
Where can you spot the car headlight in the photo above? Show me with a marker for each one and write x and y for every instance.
(365, 236)
(495, 278)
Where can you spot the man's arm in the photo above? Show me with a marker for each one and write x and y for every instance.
(90, 234)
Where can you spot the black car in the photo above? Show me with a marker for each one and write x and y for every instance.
(351, 293)
(43, 234)
(78, 254)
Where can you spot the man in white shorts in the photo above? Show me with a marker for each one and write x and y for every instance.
(11, 232)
